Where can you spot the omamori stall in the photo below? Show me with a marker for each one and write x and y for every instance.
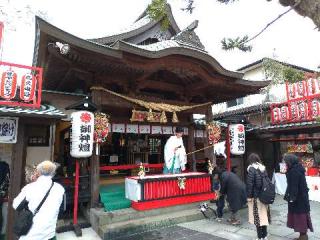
(294, 122)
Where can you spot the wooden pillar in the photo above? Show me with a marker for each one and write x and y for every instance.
(191, 147)
(17, 175)
(95, 161)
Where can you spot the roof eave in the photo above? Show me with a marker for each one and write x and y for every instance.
(123, 46)
(44, 27)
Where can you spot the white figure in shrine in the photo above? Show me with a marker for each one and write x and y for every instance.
(175, 153)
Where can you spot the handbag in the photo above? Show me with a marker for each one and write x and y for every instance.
(24, 220)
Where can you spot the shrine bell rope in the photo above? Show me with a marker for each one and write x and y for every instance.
(152, 105)
(199, 150)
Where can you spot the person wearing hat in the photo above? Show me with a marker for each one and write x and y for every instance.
(174, 153)
(44, 222)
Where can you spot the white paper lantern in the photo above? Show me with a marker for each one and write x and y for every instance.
(82, 129)
(237, 139)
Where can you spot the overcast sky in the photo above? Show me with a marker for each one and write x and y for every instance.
(292, 38)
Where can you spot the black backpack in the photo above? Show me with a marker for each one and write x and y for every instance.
(268, 191)
(24, 220)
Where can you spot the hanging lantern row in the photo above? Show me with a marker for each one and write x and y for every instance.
(9, 85)
(101, 127)
(298, 111)
(141, 116)
(213, 132)
(301, 89)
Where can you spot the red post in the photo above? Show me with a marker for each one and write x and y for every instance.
(76, 195)
(228, 149)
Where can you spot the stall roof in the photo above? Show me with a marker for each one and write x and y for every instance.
(45, 111)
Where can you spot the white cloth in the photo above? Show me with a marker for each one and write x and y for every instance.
(257, 166)
(133, 189)
(44, 223)
(312, 182)
(181, 157)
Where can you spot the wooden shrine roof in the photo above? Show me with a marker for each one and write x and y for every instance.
(176, 70)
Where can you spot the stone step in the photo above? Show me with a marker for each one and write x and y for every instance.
(147, 223)
(99, 217)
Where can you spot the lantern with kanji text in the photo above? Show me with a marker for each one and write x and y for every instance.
(237, 139)
(82, 130)
(284, 116)
(8, 84)
(27, 88)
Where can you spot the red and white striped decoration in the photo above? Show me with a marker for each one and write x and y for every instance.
(8, 85)
(27, 88)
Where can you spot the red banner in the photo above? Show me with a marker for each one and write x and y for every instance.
(25, 79)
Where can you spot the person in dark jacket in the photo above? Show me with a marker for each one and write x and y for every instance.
(259, 213)
(297, 197)
(235, 190)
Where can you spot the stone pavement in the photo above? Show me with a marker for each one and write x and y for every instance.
(277, 230)
(209, 229)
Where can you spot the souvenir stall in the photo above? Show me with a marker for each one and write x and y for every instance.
(298, 132)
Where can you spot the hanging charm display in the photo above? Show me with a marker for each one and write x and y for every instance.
(101, 127)
(214, 132)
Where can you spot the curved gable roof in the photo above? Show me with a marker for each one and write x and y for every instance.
(142, 24)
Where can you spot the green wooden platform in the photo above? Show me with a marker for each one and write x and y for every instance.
(113, 197)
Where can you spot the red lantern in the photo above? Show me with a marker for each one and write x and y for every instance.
(284, 114)
(292, 91)
(276, 114)
(315, 108)
(300, 89)
(27, 89)
(294, 111)
(312, 86)
(8, 85)
(303, 110)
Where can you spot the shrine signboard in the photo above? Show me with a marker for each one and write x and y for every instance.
(8, 129)
(20, 85)
(303, 103)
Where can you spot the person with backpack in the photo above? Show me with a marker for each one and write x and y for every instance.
(43, 198)
(258, 211)
(297, 197)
